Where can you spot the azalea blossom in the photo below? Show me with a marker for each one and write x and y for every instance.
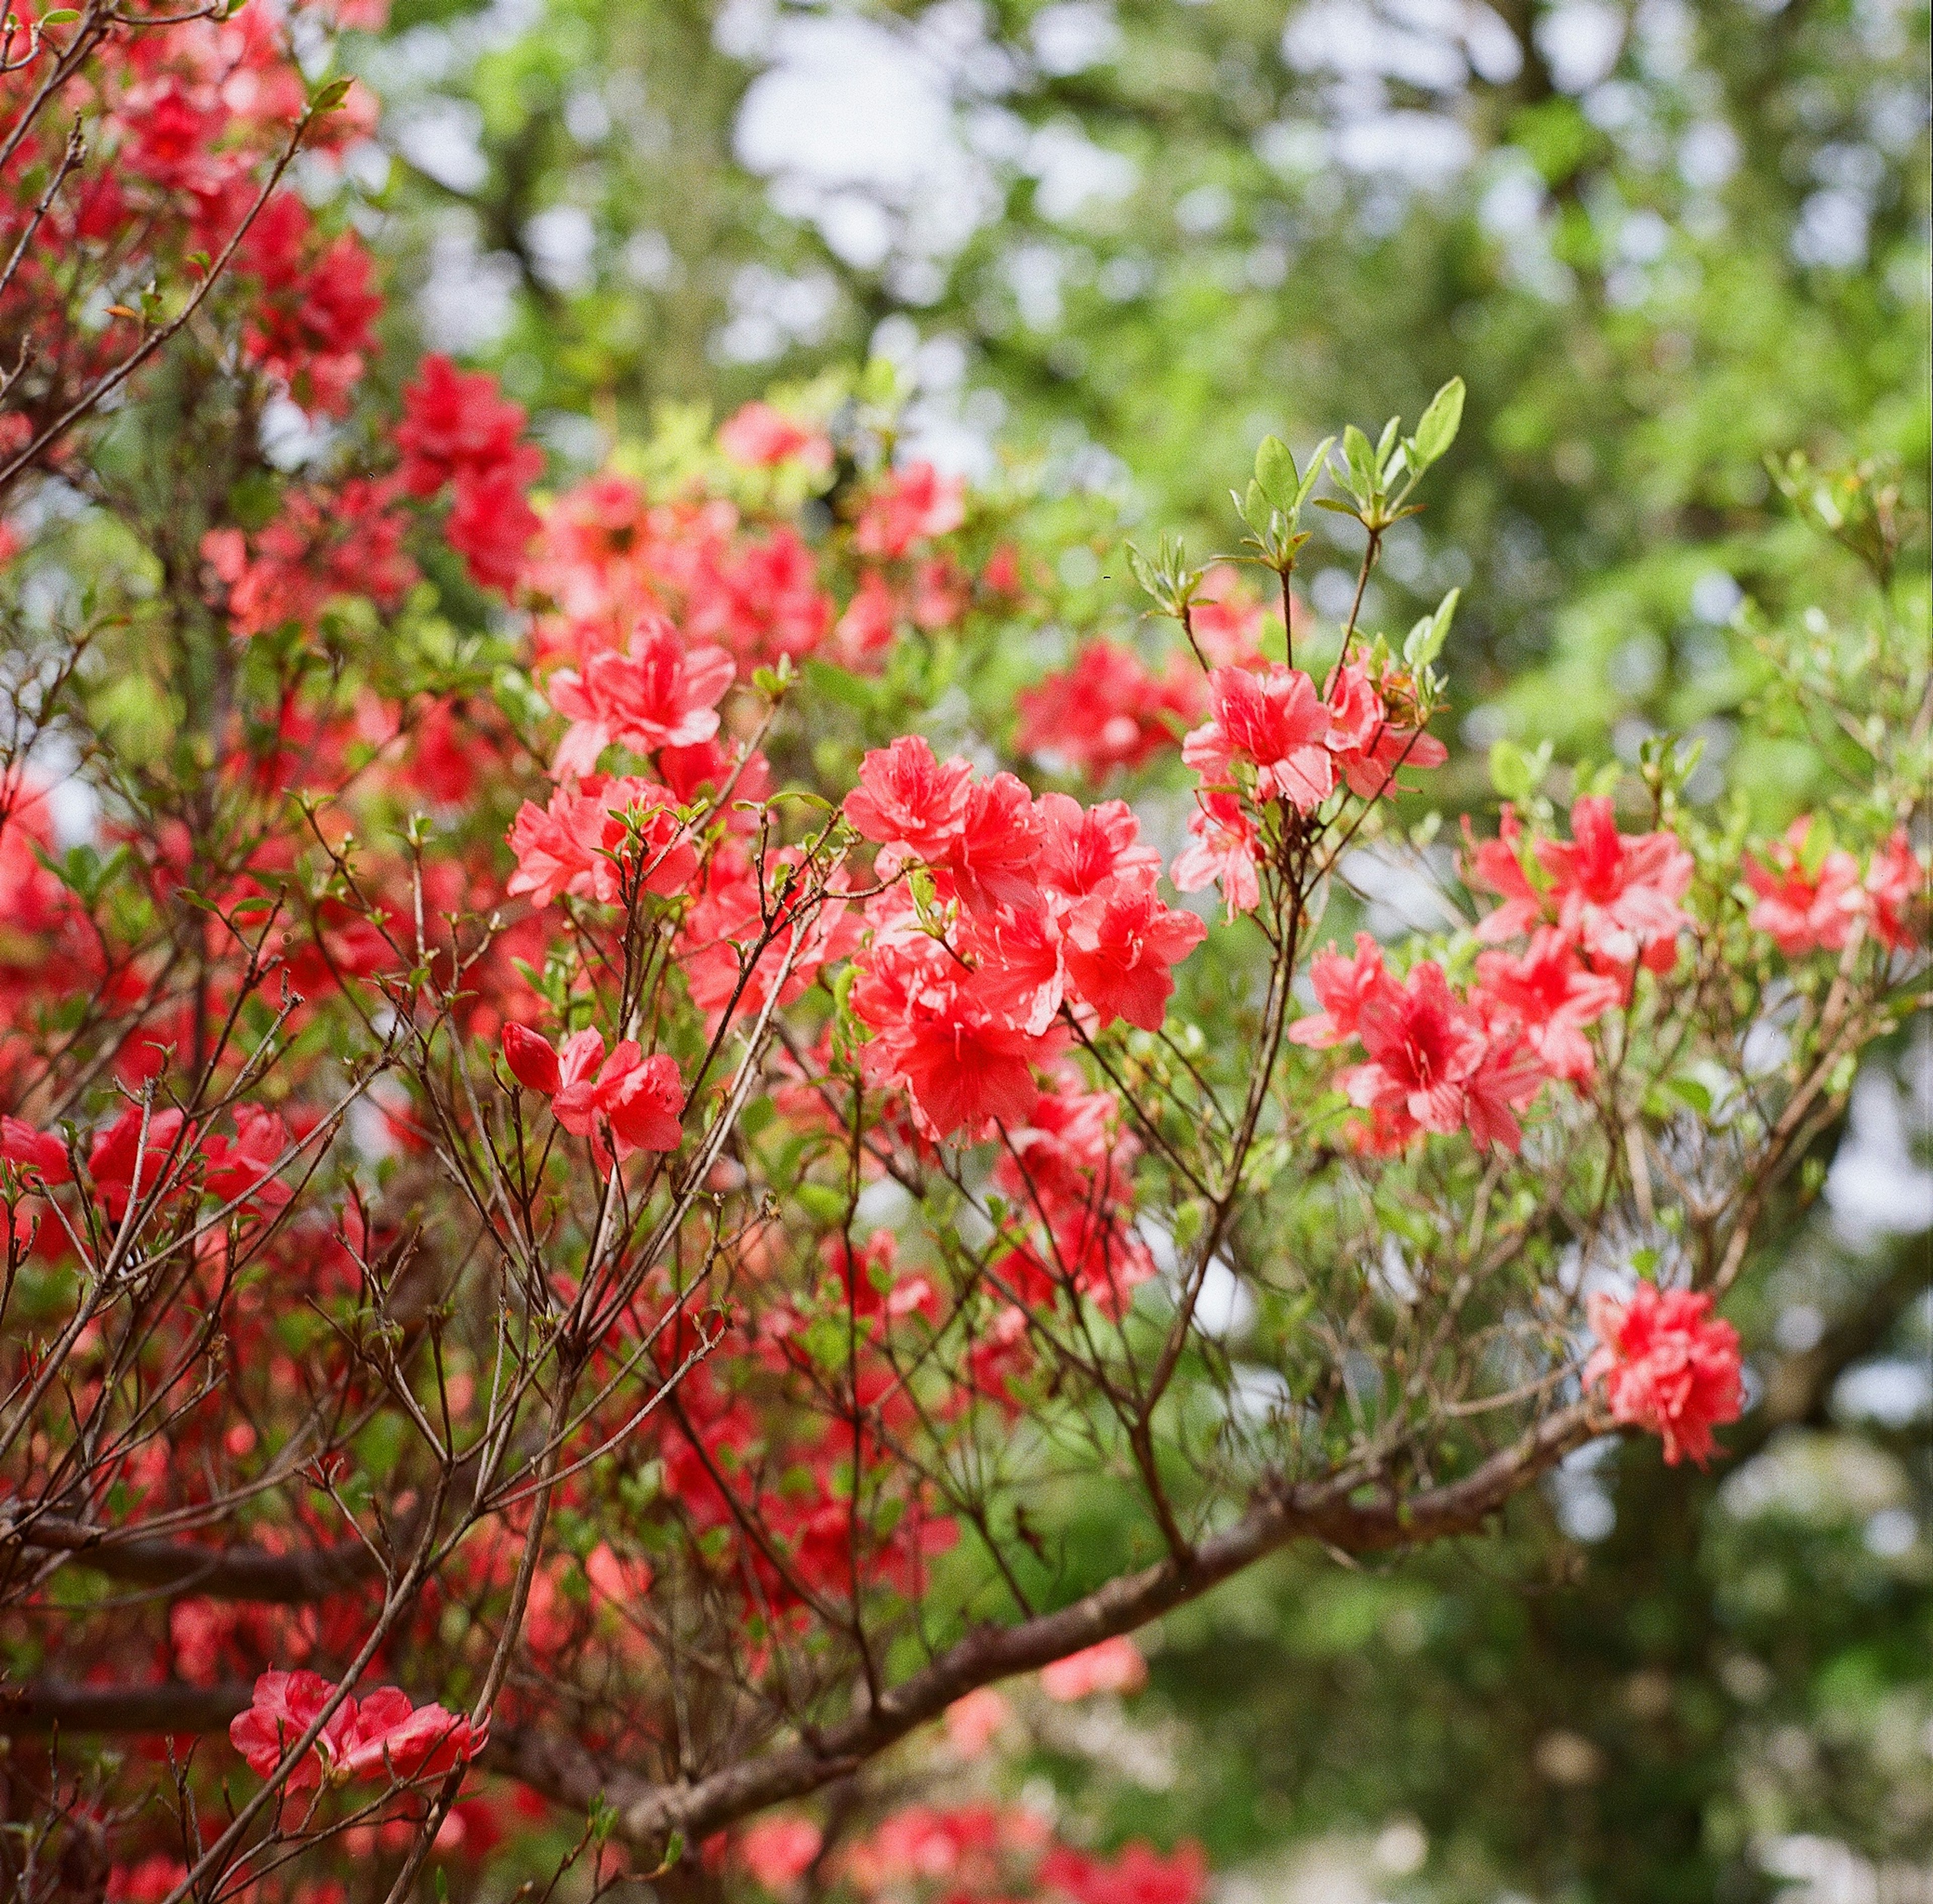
(911, 505)
(655, 693)
(1111, 1665)
(1434, 1065)
(384, 1735)
(1226, 853)
(1273, 722)
(761, 437)
(1668, 1366)
(1808, 900)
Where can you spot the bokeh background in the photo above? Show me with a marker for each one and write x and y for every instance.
(1115, 244)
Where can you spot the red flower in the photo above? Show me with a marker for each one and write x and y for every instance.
(1808, 896)
(532, 1059)
(1119, 952)
(384, 1736)
(1107, 711)
(124, 1167)
(778, 1851)
(241, 1167)
(906, 799)
(659, 694)
(36, 1155)
(599, 840)
(761, 437)
(1225, 853)
(1667, 1365)
(1896, 892)
(490, 524)
(910, 506)
(1369, 742)
(1274, 721)
(642, 1099)
(634, 1104)
(454, 421)
(1433, 1065)
(1342, 987)
(389, 1738)
(1617, 894)
(1139, 1875)
(284, 1707)
(1551, 996)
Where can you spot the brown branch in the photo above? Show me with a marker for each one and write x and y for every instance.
(45, 1705)
(232, 1573)
(1325, 1511)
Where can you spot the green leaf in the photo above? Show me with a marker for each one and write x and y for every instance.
(1441, 421)
(60, 16)
(1361, 459)
(329, 98)
(1510, 771)
(1427, 638)
(1276, 473)
(1317, 462)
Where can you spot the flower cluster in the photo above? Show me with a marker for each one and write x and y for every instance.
(457, 432)
(382, 1735)
(1055, 924)
(625, 1102)
(180, 125)
(1668, 1366)
(1811, 894)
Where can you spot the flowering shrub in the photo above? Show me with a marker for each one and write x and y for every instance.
(592, 1140)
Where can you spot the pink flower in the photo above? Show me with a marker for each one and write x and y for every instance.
(1342, 987)
(1808, 896)
(1087, 850)
(634, 1104)
(971, 1722)
(1896, 894)
(599, 839)
(778, 1851)
(906, 799)
(1107, 710)
(760, 437)
(659, 694)
(1551, 997)
(284, 1707)
(911, 505)
(1433, 1065)
(1119, 949)
(865, 630)
(390, 1739)
(1113, 1665)
(1226, 853)
(1617, 894)
(1667, 1365)
(1274, 721)
(1369, 742)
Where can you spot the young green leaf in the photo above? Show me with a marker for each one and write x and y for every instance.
(1427, 638)
(1275, 472)
(1437, 430)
